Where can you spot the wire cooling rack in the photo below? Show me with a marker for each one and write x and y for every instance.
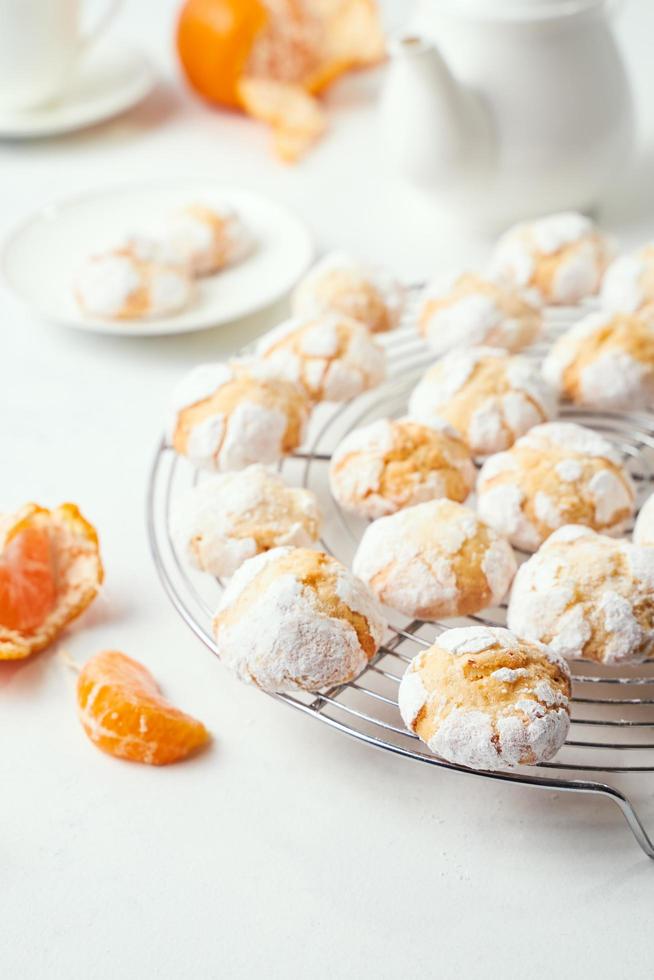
(611, 739)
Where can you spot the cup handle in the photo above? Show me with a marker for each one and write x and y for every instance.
(90, 37)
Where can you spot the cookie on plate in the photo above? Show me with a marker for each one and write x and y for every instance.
(293, 619)
(339, 283)
(628, 286)
(199, 238)
(605, 361)
(395, 463)
(121, 285)
(332, 356)
(469, 310)
(587, 596)
(560, 259)
(490, 397)
(558, 473)
(228, 415)
(487, 699)
(231, 517)
(435, 559)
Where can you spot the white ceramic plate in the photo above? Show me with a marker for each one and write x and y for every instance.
(42, 256)
(110, 80)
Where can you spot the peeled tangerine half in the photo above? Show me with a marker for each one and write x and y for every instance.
(123, 713)
(272, 57)
(50, 570)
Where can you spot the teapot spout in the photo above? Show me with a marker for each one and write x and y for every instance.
(425, 114)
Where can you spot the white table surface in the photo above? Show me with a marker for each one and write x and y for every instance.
(286, 850)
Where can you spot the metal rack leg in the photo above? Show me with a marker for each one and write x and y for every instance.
(633, 820)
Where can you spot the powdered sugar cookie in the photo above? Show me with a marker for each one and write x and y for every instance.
(120, 285)
(587, 596)
(435, 559)
(207, 238)
(469, 310)
(605, 361)
(293, 619)
(628, 286)
(560, 258)
(226, 416)
(341, 284)
(486, 699)
(229, 518)
(394, 463)
(332, 356)
(199, 238)
(644, 526)
(559, 473)
(488, 396)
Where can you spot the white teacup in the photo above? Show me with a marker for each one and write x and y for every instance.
(41, 42)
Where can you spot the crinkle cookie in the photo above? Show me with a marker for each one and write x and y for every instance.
(332, 356)
(560, 259)
(469, 310)
(226, 416)
(487, 699)
(628, 285)
(644, 527)
(395, 463)
(605, 361)
(339, 283)
(587, 596)
(199, 238)
(435, 559)
(490, 397)
(293, 619)
(120, 285)
(231, 517)
(559, 473)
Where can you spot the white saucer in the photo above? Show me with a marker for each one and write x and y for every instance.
(42, 256)
(109, 81)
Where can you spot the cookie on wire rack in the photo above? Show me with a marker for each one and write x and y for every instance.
(231, 517)
(644, 526)
(226, 416)
(470, 310)
(394, 463)
(339, 283)
(333, 357)
(587, 596)
(605, 361)
(559, 259)
(434, 560)
(485, 698)
(558, 473)
(490, 397)
(297, 620)
(628, 285)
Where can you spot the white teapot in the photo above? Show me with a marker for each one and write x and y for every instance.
(508, 108)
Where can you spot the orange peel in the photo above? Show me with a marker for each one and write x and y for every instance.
(273, 57)
(50, 570)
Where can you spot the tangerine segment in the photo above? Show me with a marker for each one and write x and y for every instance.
(50, 570)
(296, 118)
(214, 42)
(123, 713)
(28, 589)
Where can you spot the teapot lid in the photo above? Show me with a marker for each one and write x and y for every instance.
(518, 9)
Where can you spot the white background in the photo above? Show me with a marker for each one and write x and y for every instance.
(286, 850)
